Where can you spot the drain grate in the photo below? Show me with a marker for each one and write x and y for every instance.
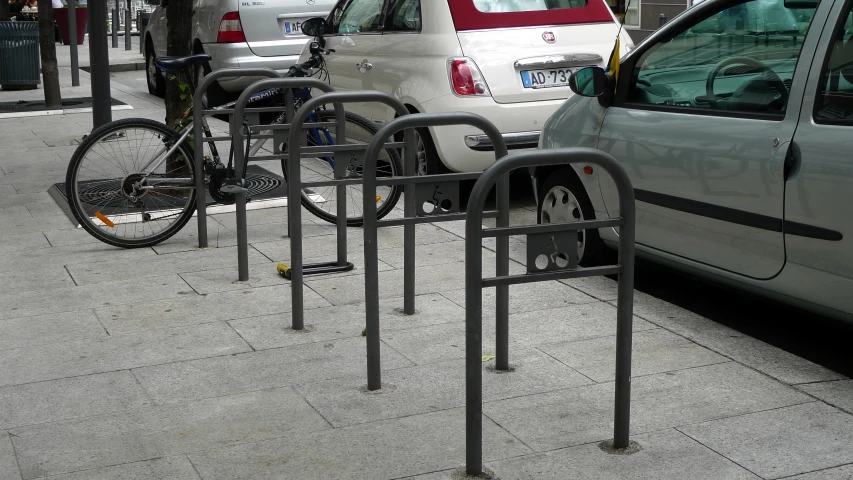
(266, 189)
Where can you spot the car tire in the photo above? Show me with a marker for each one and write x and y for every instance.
(215, 95)
(428, 161)
(563, 199)
(153, 75)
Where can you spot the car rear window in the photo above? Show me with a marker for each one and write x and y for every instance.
(491, 14)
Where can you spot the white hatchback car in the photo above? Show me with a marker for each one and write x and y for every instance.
(507, 60)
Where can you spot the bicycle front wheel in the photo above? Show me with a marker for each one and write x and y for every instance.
(323, 201)
(122, 190)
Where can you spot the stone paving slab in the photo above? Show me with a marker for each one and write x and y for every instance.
(118, 352)
(197, 261)
(602, 288)
(46, 276)
(51, 328)
(665, 455)
(781, 442)
(585, 414)
(169, 468)
(195, 309)
(69, 398)
(226, 375)
(528, 297)
(153, 432)
(427, 388)
(838, 394)
(432, 279)
(331, 323)
(40, 255)
(765, 358)
(436, 343)
(8, 463)
(22, 241)
(91, 296)
(653, 351)
(839, 473)
(380, 450)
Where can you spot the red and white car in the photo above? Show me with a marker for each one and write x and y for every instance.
(507, 60)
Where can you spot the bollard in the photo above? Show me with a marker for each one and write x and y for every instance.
(115, 28)
(100, 67)
(127, 24)
(661, 20)
(72, 35)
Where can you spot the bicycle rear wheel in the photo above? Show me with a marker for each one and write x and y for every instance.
(116, 199)
(323, 201)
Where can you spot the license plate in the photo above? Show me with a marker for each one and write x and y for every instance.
(292, 28)
(546, 78)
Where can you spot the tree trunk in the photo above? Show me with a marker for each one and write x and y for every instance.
(179, 20)
(47, 44)
(4, 11)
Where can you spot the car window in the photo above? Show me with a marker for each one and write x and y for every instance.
(739, 58)
(358, 16)
(403, 16)
(834, 100)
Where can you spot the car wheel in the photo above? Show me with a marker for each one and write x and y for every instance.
(153, 76)
(562, 199)
(215, 95)
(428, 161)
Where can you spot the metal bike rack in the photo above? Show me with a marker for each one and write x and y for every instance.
(558, 244)
(295, 185)
(442, 192)
(289, 132)
(201, 130)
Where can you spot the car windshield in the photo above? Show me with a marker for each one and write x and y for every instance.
(500, 6)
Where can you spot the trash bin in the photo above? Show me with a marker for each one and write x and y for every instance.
(19, 55)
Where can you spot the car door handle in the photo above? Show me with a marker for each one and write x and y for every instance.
(364, 66)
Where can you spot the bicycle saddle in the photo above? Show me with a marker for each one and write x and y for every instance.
(170, 64)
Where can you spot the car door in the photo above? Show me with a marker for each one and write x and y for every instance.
(818, 231)
(356, 27)
(702, 120)
(399, 56)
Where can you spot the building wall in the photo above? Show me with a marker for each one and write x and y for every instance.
(650, 11)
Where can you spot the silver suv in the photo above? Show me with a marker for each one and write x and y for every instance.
(237, 34)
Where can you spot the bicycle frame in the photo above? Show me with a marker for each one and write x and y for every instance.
(300, 98)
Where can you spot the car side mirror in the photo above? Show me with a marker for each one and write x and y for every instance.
(589, 82)
(314, 27)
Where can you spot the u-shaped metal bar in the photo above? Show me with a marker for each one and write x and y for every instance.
(474, 286)
(371, 256)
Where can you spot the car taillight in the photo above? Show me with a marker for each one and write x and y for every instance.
(466, 79)
(230, 29)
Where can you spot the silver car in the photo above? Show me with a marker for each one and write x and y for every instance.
(237, 34)
(735, 123)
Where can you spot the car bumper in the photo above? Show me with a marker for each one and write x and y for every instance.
(467, 149)
(238, 55)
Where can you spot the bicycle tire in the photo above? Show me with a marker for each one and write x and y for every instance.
(72, 185)
(393, 193)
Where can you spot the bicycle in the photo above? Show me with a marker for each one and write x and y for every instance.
(149, 199)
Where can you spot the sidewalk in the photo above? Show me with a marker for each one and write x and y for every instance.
(120, 59)
(156, 364)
